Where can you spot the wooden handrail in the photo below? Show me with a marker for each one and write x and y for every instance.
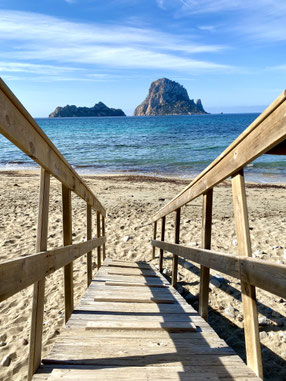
(266, 275)
(20, 273)
(266, 132)
(17, 125)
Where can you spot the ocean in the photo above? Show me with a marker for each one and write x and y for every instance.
(180, 146)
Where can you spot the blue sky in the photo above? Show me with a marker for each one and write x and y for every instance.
(229, 53)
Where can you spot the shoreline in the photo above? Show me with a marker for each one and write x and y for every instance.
(145, 178)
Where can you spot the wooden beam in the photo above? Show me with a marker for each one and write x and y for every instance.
(89, 236)
(39, 286)
(17, 125)
(103, 234)
(154, 237)
(266, 132)
(251, 330)
(177, 240)
(206, 244)
(163, 223)
(20, 273)
(98, 235)
(266, 275)
(67, 238)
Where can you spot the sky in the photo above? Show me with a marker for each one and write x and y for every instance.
(229, 53)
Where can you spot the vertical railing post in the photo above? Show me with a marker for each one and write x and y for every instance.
(205, 244)
(251, 331)
(39, 287)
(88, 237)
(67, 238)
(177, 240)
(163, 223)
(154, 237)
(103, 234)
(98, 235)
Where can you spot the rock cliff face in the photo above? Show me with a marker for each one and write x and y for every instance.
(99, 109)
(168, 97)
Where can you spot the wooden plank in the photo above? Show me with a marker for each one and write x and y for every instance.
(154, 373)
(266, 132)
(135, 299)
(180, 372)
(177, 326)
(98, 235)
(129, 266)
(177, 240)
(35, 350)
(154, 236)
(126, 284)
(67, 240)
(141, 308)
(251, 330)
(163, 223)
(103, 234)
(260, 273)
(20, 273)
(206, 244)
(89, 236)
(17, 125)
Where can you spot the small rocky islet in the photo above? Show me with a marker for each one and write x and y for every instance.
(99, 109)
(168, 97)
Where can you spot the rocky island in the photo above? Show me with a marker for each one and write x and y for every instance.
(99, 109)
(168, 97)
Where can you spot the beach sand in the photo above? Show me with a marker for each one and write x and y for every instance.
(130, 202)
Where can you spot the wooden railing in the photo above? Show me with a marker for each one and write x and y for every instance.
(267, 134)
(20, 128)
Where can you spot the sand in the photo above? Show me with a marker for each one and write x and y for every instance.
(130, 203)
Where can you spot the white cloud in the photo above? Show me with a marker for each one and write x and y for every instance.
(262, 20)
(40, 38)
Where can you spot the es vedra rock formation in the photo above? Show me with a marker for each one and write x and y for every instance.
(99, 109)
(168, 97)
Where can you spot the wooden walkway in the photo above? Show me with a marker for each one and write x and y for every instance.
(132, 325)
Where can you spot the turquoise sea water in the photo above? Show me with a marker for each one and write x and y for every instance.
(162, 146)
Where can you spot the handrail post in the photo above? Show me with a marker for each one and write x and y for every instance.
(88, 237)
(251, 331)
(177, 240)
(103, 234)
(67, 238)
(154, 237)
(98, 235)
(205, 244)
(39, 287)
(163, 223)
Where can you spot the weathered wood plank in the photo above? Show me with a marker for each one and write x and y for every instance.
(177, 240)
(161, 256)
(206, 244)
(67, 241)
(251, 330)
(35, 350)
(98, 235)
(17, 125)
(266, 275)
(154, 236)
(20, 273)
(88, 237)
(169, 326)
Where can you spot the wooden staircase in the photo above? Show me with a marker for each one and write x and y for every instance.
(133, 325)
